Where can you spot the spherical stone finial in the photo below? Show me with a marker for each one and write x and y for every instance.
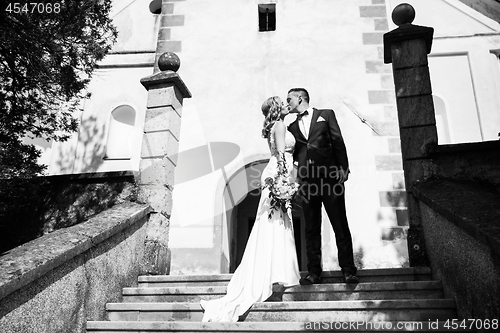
(403, 13)
(155, 6)
(169, 61)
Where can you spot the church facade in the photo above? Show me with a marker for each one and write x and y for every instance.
(236, 53)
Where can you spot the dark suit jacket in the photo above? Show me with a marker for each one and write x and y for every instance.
(325, 146)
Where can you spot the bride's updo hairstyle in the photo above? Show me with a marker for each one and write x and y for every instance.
(271, 109)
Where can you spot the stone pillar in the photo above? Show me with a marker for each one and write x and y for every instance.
(406, 48)
(160, 145)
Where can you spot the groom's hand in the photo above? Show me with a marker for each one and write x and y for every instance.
(343, 175)
(301, 195)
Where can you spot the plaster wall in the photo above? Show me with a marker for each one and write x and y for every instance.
(115, 83)
(137, 26)
(484, 72)
(231, 68)
(334, 49)
(464, 71)
(86, 152)
(327, 56)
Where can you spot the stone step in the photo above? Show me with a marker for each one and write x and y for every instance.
(311, 311)
(365, 275)
(190, 327)
(319, 292)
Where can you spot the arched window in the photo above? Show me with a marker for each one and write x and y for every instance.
(442, 121)
(120, 135)
(495, 61)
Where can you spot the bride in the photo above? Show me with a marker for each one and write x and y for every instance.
(269, 255)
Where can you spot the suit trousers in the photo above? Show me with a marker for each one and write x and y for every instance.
(331, 194)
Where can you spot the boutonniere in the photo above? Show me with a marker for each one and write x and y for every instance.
(320, 119)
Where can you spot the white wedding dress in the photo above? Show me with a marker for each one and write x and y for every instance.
(269, 255)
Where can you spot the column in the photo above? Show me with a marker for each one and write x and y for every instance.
(160, 145)
(406, 48)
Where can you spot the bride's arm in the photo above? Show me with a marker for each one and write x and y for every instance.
(279, 137)
(294, 171)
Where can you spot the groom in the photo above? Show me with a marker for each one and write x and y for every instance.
(323, 168)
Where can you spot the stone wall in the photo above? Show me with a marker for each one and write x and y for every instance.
(460, 212)
(453, 197)
(35, 207)
(469, 268)
(478, 162)
(59, 281)
(388, 163)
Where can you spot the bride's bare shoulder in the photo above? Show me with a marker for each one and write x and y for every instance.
(279, 127)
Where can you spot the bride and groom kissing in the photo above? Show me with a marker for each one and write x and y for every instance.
(312, 152)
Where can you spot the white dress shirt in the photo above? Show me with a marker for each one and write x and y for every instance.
(305, 122)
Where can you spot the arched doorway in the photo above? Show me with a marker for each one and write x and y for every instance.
(245, 219)
(241, 210)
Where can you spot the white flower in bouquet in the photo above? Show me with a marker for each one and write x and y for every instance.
(281, 191)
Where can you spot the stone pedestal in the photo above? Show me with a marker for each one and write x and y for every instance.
(406, 48)
(160, 145)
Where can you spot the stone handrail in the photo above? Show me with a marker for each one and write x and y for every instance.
(25, 263)
(65, 277)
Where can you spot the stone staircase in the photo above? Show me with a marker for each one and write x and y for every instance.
(383, 297)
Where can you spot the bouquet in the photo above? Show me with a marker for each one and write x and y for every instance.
(281, 191)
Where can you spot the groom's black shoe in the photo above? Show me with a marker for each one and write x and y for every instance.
(350, 278)
(311, 278)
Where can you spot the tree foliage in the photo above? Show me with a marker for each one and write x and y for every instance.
(46, 61)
